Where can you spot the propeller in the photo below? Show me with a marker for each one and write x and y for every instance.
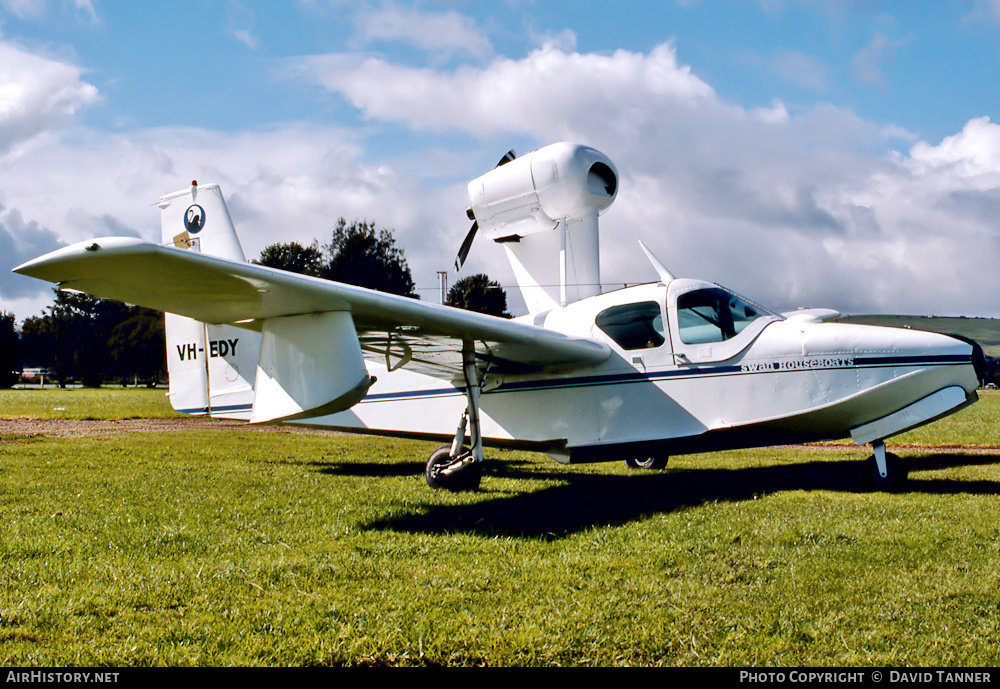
(507, 157)
(463, 251)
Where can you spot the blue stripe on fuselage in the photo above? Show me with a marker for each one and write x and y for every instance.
(637, 377)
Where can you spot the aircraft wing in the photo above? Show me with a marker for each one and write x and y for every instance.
(396, 330)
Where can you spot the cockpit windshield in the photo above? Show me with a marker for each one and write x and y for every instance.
(715, 315)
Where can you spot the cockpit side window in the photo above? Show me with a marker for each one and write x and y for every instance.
(714, 315)
(633, 326)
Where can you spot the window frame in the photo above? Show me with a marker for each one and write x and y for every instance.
(626, 335)
(712, 350)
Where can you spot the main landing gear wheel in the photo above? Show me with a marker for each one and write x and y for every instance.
(455, 474)
(895, 473)
(464, 470)
(647, 462)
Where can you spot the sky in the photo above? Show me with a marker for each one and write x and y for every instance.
(824, 153)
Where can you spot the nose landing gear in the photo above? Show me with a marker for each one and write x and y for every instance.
(884, 470)
(647, 461)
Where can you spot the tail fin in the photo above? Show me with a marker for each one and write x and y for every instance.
(211, 367)
(198, 219)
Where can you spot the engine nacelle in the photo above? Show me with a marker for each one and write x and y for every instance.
(543, 208)
(533, 193)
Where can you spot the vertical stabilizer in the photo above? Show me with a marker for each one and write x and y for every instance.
(211, 367)
(197, 219)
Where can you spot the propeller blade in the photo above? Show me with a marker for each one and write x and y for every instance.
(463, 252)
(508, 156)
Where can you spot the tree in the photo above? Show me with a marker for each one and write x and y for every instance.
(293, 257)
(359, 256)
(479, 293)
(81, 319)
(137, 346)
(95, 340)
(9, 351)
(40, 349)
(356, 255)
(63, 338)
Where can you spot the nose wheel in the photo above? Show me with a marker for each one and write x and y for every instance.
(884, 470)
(647, 461)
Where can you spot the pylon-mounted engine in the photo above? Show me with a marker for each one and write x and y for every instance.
(543, 208)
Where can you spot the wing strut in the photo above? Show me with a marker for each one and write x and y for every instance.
(460, 468)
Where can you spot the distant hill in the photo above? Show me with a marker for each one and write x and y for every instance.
(985, 331)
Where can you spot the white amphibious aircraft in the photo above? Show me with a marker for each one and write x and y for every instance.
(674, 366)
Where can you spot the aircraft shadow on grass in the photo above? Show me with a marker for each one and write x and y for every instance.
(581, 501)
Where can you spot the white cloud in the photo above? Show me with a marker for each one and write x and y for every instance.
(776, 114)
(24, 9)
(36, 9)
(794, 207)
(805, 207)
(988, 9)
(36, 94)
(246, 37)
(20, 241)
(440, 33)
(289, 184)
(87, 7)
(545, 94)
(801, 69)
(564, 40)
(931, 235)
(866, 65)
(970, 154)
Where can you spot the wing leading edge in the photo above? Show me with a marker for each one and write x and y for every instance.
(423, 336)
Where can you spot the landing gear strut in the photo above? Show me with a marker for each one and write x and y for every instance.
(884, 470)
(454, 467)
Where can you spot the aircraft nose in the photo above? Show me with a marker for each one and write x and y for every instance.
(978, 356)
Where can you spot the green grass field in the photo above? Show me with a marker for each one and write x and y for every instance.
(86, 403)
(218, 546)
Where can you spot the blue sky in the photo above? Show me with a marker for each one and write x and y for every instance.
(839, 153)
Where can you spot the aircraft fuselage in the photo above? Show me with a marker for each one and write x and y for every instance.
(690, 386)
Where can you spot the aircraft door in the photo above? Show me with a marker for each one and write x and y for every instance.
(708, 323)
(638, 330)
(634, 404)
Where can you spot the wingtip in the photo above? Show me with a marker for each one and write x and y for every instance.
(28, 267)
(38, 267)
